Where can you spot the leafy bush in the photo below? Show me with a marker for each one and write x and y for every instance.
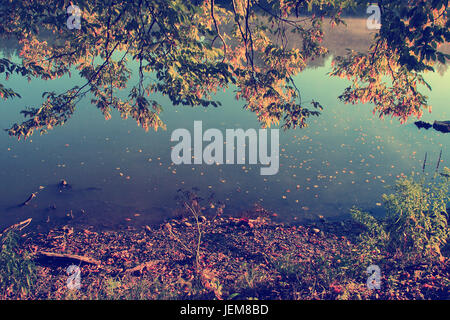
(374, 240)
(416, 224)
(17, 270)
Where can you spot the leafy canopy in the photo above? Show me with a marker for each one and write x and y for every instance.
(187, 50)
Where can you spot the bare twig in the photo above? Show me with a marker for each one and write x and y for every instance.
(439, 161)
(218, 32)
(146, 265)
(70, 256)
(199, 239)
(424, 162)
(169, 228)
(19, 226)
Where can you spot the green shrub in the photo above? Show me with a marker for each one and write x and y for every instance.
(374, 240)
(416, 224)
(17, 270)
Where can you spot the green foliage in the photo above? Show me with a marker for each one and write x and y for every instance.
(417, 217)
(252, 277)
(145, 288)
(416, 225)
(17, 270)
(322, 277)
(407, 45)
(373, 241)
(7, 93)
(174, 47)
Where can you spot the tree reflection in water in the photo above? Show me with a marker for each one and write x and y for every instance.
(187, 50)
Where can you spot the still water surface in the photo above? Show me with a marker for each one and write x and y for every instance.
(122, 175)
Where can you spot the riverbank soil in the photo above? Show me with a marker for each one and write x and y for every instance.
(234, 258)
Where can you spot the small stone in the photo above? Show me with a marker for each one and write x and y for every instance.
(63, 183)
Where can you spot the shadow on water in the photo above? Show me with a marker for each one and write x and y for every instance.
(441, 126)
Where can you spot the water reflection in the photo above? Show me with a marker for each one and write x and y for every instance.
(121, 175)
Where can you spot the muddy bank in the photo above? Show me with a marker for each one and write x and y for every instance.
(234, 258)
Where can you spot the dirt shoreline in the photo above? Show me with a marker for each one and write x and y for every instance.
(238, 258)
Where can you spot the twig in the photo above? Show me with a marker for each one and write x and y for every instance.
(439, 161)
(146, 265)
(169, 228)
(424, 162)
(20, 226)
(70, 256)
(199, 239)
(27, 202)
(218, 32)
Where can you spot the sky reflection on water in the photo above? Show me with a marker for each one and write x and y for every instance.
(122, 175)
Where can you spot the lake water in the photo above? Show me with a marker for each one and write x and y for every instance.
(122, 175)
